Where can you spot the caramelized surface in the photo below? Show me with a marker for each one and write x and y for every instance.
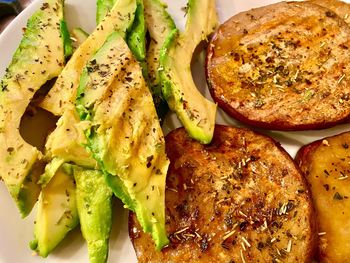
(326, 166)
(238, 199)
(283, 66)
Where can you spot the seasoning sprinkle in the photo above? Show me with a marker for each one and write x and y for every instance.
(325, 142)
(229, 234)
(182, 230)
(242, 257)
(341, 78)
(289, 246)
(242, 214)
(243, 246)
(321, 233)
(246, 241)
(343, 177)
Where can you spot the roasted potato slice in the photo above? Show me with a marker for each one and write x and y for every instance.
(325, 164)
(284, 66)
(239, 199)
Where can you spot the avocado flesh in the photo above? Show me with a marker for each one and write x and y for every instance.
(121, 113)
(57, 212)
(102, 9)
(63, 93)
(159, 24)
(196, 113)
(72, 148)
(94, 202)
(39, 58)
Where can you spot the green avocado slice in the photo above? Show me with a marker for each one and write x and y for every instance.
(125, 136)
(196, 113)
(39, 57)
(57, 211)
(159, 24)
(94, 202)
(62, 94)
(102, 9)
(136, 37)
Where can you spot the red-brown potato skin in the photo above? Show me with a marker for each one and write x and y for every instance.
(325, 164)
(283, 67)
(237, 183)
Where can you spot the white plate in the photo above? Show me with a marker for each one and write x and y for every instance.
(15, 233)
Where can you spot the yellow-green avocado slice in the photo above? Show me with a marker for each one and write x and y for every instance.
(94, 202)
(196, 113)
(125, 136)
(57, 211)
(62, 94)
(39, 58)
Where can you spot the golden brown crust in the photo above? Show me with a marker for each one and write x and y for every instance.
(240, 198)
(341, 8)
(285, 66)
(325, 164)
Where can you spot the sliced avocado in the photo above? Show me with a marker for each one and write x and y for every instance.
(121, 112)
(72, 148)
(196, 113)
(57, 212)
(136, 38)
(50, 171)
(78, 36)
(102, 8)
(159, 24)
(94, 202)
(63, 93)
(39, 58)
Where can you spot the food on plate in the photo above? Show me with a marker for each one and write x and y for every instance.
(57, 212)
(78, 36)
(240, 198)
(325, 164)
(116, 104)
(282, 66)
(151, 16)
(102, 9)
(39, 57)
(196, 113)
(341, 8)
(136, 38)
(159, 25)
(94, 205)
(63, 93)
(67, 144)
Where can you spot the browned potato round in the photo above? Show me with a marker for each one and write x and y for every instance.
(326, 166)
(239, 199)
(285, 66)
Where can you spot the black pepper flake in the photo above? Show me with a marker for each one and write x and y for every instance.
(10, 149)
(149, 161)
(345, 145)
(326, 186)
(330, 14)
(338, 196)
(204, 244)
(326, 172)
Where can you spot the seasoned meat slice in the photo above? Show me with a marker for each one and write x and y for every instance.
(341, 8)
(325, 164)
(285, 66)
(239, 199)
